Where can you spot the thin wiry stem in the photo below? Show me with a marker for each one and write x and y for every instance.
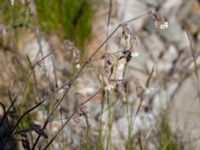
(70, 117)
(23, 87)
(59, 131)
(195, 62)
(143, 94)
(108, 21)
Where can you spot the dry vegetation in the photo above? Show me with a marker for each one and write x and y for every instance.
(54, 98)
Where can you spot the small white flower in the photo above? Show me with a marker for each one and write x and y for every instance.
(78, 66)
(148, 90)
(109, 87)
(135, 54)
(120, 67)
(164, 25)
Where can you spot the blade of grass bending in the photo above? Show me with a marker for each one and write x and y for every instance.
(194, 60)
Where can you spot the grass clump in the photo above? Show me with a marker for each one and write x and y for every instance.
(70, 18)
(167, 140)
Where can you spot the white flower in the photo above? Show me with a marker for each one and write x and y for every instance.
(109, 87)
(120, 67)
(148, 90)
(135, 54)
(78, 66)
(164, 25)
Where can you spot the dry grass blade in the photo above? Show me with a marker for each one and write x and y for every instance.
(51, 141)
(150, 77)
(143, 94)
(140, 141)
(109, 12)
(109, 17)
(33, 72)
(70, 117)
(194, 60)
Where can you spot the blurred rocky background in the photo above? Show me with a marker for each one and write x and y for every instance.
(166, 56)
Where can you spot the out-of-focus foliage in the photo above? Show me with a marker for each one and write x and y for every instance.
(167, 139)
(70, 19)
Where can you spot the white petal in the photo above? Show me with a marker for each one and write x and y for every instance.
(135, 54)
